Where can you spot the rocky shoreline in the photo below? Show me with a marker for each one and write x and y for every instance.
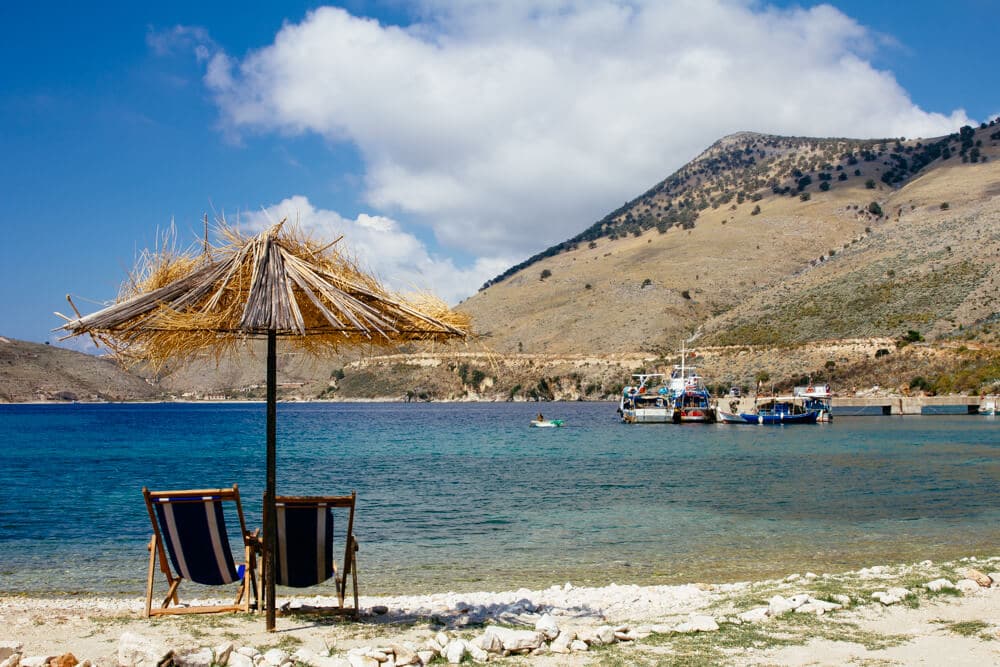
(888, 613)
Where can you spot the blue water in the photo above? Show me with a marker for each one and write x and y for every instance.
(467, 497)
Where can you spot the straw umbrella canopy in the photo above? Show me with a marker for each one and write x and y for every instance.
(177, 305)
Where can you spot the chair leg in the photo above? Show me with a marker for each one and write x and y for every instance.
(149, 576)
(171, 594)
(354, 575)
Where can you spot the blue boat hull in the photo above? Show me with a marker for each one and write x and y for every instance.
(780, 418)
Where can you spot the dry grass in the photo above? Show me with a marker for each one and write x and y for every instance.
(176, 305)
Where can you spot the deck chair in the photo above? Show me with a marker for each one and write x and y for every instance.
(191, 527)
(305, 545)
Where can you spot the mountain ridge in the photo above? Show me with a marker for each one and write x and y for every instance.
(857, 262)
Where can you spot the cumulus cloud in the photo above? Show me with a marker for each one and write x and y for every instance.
(379, 245)
(509, 125)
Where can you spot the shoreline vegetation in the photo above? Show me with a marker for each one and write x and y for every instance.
(33, 373)
(926, 612)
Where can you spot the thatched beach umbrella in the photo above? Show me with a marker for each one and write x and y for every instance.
(278, 283)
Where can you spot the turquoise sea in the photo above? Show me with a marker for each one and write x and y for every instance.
(468, 497)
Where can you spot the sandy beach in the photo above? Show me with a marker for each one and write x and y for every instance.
(911, 614)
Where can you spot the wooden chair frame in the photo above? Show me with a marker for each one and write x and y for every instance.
(350, 563)
(157, 552)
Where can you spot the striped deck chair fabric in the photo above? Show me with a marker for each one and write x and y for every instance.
(196, 539)
(306, 542)
(191, 527)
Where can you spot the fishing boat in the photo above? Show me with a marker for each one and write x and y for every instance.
(691, 399)
(816, 397)
(988, 406)
(646, 403)
(781, 410)
(694, 405)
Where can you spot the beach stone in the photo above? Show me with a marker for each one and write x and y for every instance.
(983, 580)
(578, 646)
(426, 656)
(547, 626)
(841, 599)
(967, 586)
(792, 577)
(489, 642)
(36, 660)
(697, 623)
(561, 643)
(513, 641)
(237, 659)
(405, 654)
(442, 640)
(601, 636)
(11, 660)
(818, 607)
(938, 585)
(778, 606)
(454, 651)
(380, 610)
(135, 650)
(755, 615)
(359, 660)
(477, 654)
(9, 648)
(810, 576)
(891, 596)
(249, 651)
(275, 657)
(222, 653)
(321, 661)
(202, 657)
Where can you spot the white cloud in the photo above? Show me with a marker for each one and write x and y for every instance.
(379, 245)
(508, 125)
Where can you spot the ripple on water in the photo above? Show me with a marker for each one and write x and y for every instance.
(460, 496)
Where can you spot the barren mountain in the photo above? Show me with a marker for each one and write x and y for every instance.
(776, 257)
(770, 240)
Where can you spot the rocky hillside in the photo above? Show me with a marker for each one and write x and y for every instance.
(35, 372)
(766, 240)
(854, 262)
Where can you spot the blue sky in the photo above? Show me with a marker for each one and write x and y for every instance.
(446, 141)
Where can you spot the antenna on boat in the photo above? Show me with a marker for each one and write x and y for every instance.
(683, 357)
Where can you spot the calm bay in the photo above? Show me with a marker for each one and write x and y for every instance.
(465, 496)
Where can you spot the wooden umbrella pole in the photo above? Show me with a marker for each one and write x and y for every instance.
(270, 529)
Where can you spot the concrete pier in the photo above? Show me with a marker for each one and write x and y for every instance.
(905, 405)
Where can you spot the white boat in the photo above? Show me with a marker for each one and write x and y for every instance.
(988, 406)
(645, 402)
(818, 398)
(729, 417)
